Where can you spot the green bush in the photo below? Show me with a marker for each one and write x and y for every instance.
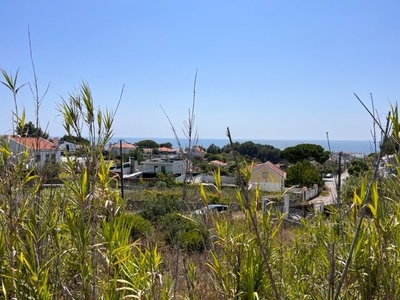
(162, 204)
(193, 241)
(161, 185)
(193, 237)
(168, 180)
(140, 226)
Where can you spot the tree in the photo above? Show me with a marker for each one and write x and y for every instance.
(305, 151)
(147, 144)
(304, 174)
(166, 145)
(227, 148)
(249, 149)
(30, 130)
(357, 167)
(136, 154)
(75, 139)
(213, 149)
(269, 153)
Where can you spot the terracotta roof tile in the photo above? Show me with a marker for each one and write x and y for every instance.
(166, 149)
(276, 169)
(124, 145)
(272, 166)
(197, 148)
(34, 143)
(218, 163)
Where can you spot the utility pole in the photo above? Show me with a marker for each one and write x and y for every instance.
(122, 169)
(339, 183)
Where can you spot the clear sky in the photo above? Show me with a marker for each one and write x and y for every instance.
(266, 69)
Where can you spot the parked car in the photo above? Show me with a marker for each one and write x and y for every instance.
(211, 208)
(328, 175)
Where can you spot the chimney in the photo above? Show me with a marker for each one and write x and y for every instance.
(55, 142)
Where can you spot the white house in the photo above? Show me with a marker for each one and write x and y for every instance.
(39, 148)
(175, 167)
(65, 146)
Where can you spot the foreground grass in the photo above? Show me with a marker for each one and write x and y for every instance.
(53, 256)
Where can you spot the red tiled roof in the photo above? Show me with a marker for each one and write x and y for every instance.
(197, 148)
(124, 145)
(218, 163)
(276, 169)
(272, 166)
(34, 143)
(165, 149)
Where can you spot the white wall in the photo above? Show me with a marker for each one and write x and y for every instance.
(267, 186)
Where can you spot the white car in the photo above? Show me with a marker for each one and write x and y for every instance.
(211, 208)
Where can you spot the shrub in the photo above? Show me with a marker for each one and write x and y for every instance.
(193, 241)
(161, 185)
(163, 204)
(193, 237)
(167, 179)
(140, 226)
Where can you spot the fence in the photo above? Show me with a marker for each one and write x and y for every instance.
(305, 194)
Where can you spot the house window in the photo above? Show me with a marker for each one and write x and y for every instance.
(264, 175)
(38, 157)
(163, 169)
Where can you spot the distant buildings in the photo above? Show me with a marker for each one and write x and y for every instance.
(121, 148)
(40, 149)
(198, 152)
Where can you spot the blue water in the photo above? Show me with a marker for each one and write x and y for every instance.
(361, 147)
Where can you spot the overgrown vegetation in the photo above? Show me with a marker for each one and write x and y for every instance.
(79, 241)
(303, 173)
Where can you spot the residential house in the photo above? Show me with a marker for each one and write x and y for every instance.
(121, 147)
(39, 148)
(197, 152)
(65, 146)
(174, 167)
(165, 151)
(268, 176)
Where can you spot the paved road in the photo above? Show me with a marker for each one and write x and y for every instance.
(331, 184)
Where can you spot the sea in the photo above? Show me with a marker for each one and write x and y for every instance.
(362, 147)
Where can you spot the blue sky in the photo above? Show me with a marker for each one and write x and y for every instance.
(266, 69)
